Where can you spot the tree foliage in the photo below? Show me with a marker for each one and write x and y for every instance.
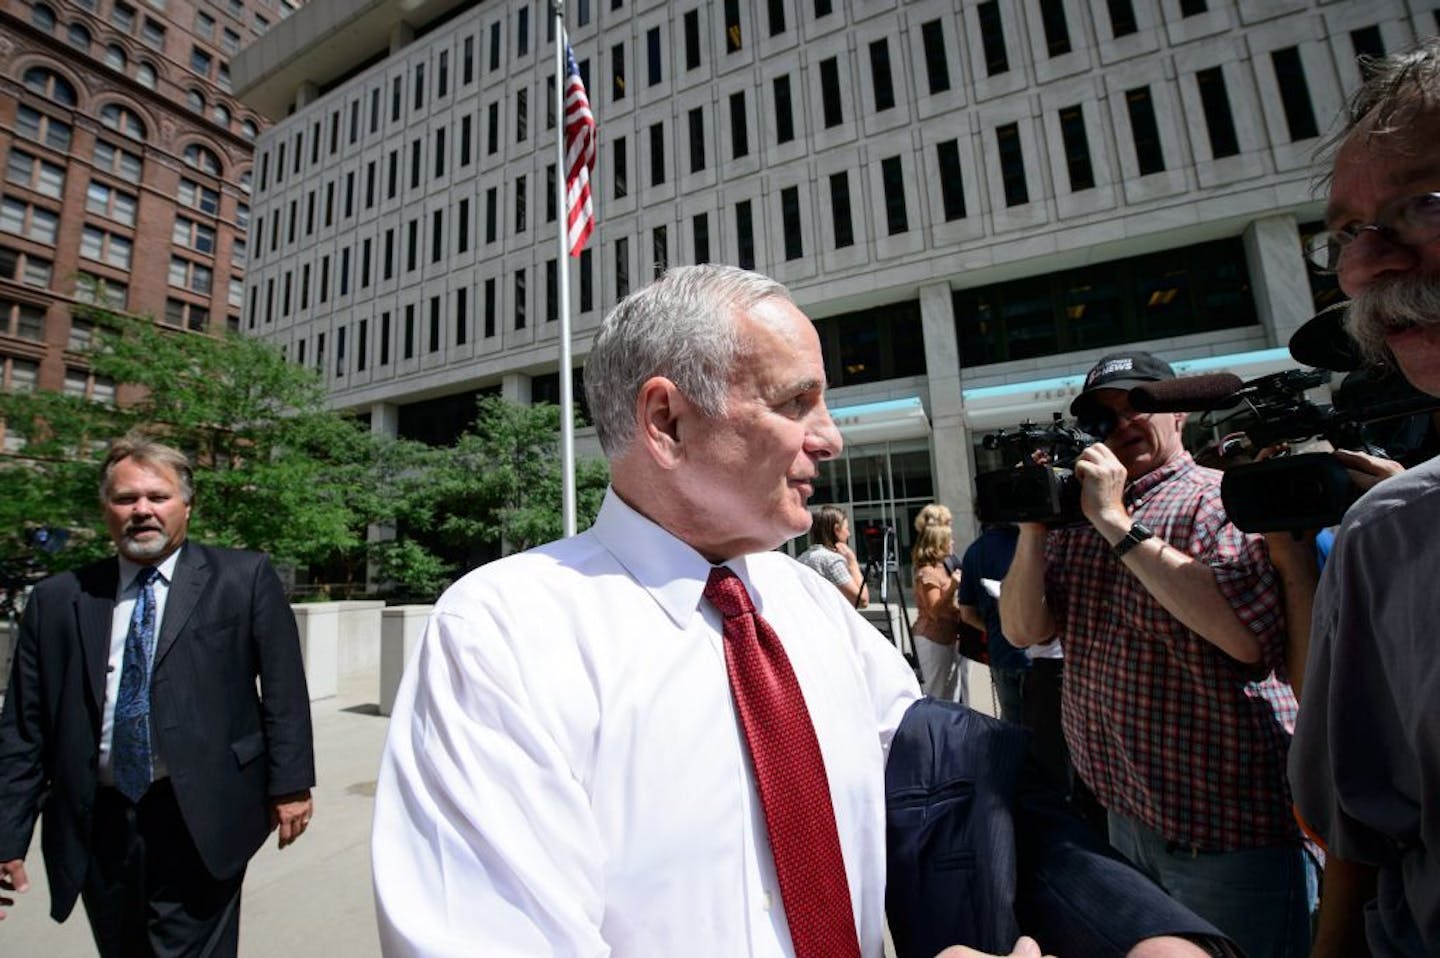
(279, 471)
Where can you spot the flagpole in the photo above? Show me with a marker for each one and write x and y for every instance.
(562, 278)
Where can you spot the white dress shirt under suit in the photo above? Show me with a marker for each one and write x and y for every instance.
(565, 774)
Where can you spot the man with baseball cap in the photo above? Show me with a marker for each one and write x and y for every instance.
(1173, 626)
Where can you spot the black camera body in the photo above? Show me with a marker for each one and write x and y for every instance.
(1031, 491)
(1309, 491)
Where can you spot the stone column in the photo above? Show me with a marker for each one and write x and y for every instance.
(949, 438)
(1278, 276)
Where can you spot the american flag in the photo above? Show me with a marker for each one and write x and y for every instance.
(579, 157)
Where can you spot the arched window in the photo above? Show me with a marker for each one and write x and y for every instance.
(50, 85)
(220, 115)
(202, 159)
(78, 36)
(43, 17)
(249, 130)
(145, 75)
(115, 57)
(122, 120)
(195, 100)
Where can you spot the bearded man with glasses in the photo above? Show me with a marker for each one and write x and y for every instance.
(1173, 629)
(1366, 759)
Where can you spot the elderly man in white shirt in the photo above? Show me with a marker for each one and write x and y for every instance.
(566, 772)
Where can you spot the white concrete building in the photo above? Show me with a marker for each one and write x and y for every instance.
(974, 200)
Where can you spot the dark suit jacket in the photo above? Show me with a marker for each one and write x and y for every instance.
(228, 749)
(980, 849)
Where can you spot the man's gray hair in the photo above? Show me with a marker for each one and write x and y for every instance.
(1397, 88)
(139, 446)
(681, 327)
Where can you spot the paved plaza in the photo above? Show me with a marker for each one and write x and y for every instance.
(312, 899)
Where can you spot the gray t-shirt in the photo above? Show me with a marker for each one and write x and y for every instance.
(1365, 761)
(828, 563)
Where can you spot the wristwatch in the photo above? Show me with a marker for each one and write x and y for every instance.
(1138, 533)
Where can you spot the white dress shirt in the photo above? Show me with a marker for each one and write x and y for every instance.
(565, 773)
(127, 593)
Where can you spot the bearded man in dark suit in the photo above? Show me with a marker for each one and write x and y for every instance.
(134, 726)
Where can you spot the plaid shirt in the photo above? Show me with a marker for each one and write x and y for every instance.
(1164, 727)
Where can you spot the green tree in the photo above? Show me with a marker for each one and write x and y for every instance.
(275, 469)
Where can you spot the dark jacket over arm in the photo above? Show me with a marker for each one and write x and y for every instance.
(981, 849)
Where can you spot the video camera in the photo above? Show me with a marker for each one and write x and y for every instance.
(1290, 493)
(1031, 491)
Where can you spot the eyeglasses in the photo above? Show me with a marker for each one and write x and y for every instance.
(1102, 421)
(1411, 221)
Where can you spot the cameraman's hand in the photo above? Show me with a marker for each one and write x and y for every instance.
(1366, 470)
(1102, 487)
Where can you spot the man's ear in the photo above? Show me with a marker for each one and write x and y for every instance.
(659, 408)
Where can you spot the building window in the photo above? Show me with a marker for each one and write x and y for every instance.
(193, 235)
(1219, 123)
(522, 31)
(892, 178)
(39, 128)
(27, 220)
(520, 298)
(412, 246)
(745, 235)
(700, 232)
(27, 268)
(992, 38)
(361, 344)
(385, 338)
(830, 92)
(466, 134)
(200, 61)
(489, 308)
(620, 164)
(1012, 164)
(191, 276)
(552, 294)
(692, 39)
(387, 263)
(652, 56)
(622, 268)
(462, 319)
(462, 227)
(657, 153)
(115, 57)
(202, 159)
(733, 39)
(414, 167)
(492, 129)
(739, 128)
(777, 17)
(434, 345)
(199, 197)
(1144, 131)
(442, 74)
(35, 174)
(492, 203)
(790, 222)
(1057, 31)
(937, 64)
(114, 160)
(1122, 17)
(697, 139)
(437, 235)
(22, 320)
(439, 155)
(880, 75)
(1192, 8)
(494, 46)
(408, 344)
(840, 209)
(952, 182)
(784, 117)
(1077, 148)
(1368, 45)
(1294, 93)
(660, 249)
(587, 281)
(520, 203)
(617, 72)
(467, 62)
(522, 114)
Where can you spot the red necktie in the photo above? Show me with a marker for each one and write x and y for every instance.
(790, 776)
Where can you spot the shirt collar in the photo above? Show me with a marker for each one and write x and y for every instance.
(666, 567)
(129, 570)
(1181, 462)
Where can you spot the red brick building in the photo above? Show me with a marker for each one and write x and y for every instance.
(127, 173)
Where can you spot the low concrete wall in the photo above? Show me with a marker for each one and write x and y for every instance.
(401, 627)
(319, 625)
(359, 631)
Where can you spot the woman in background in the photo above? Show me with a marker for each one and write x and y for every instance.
(831, 556)
(942, 672)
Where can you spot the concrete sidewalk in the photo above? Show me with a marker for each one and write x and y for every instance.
(314, 898)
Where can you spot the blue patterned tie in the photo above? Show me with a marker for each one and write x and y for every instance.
(130, 745)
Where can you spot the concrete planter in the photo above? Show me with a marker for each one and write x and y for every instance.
(401, 627)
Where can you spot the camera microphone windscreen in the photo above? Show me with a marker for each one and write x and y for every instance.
(1187, 394)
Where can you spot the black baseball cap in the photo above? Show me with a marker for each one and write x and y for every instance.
(1122, 370)
(1322, 341)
